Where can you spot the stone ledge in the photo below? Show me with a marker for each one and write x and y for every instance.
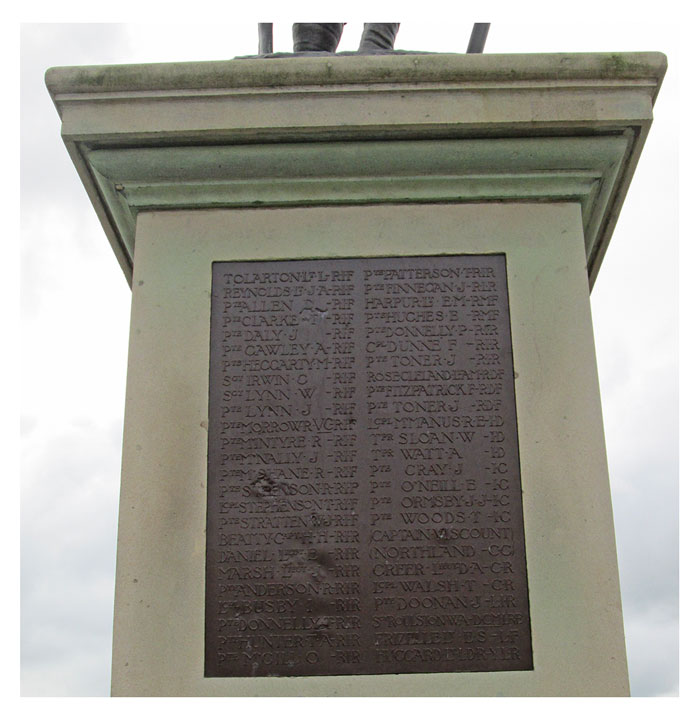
(579, 169)
(358, 69)
(127, 128)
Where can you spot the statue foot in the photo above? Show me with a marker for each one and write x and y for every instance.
(316, 37)
(378, 36)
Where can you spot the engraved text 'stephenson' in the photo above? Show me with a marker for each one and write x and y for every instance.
(364, 501)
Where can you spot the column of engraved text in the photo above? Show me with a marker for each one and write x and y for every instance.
(441, 543)
(288, 595)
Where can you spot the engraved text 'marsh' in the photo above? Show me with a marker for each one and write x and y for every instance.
(364, 501)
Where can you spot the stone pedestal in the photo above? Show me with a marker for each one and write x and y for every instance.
(525, 157)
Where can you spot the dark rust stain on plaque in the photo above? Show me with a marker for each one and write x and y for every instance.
(364, 503)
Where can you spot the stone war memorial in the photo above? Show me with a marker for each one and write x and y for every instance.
(363, 445)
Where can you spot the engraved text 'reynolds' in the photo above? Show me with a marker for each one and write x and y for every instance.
(364, 507)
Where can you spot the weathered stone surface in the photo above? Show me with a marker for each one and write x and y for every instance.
(242, 110)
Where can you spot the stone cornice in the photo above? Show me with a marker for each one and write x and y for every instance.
(333, 70)
(329, 130)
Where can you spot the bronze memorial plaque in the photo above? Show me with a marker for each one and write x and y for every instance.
(364, 503)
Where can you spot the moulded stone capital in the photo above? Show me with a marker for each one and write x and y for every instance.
(345, 130)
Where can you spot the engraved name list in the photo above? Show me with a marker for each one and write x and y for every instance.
(364, 510)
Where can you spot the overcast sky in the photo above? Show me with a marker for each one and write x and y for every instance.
(74, 336)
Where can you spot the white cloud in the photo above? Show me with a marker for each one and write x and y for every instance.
(68, 534)
(652, 642)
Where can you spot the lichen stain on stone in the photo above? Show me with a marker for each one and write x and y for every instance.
(263, 485)
(617, 65)
(313, 316)
(324, 558)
